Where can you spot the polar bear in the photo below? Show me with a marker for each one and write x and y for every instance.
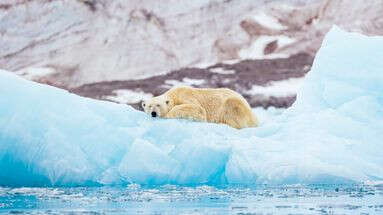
(220, 105)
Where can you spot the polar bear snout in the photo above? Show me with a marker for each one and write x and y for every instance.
(157, 106)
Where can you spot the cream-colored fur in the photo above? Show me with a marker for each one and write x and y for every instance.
(220, 105)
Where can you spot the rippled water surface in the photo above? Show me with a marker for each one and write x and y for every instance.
(134, 199)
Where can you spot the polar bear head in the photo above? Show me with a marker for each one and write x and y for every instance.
(157, 106)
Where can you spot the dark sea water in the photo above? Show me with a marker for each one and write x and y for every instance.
(135, 199)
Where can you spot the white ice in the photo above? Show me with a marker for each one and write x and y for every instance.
(332, 134)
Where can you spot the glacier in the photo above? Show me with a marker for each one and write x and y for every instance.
(332, 134)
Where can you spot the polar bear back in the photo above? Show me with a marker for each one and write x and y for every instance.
(221, 104)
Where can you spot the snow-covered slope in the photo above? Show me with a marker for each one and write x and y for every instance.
(87, 41)
(332, 134)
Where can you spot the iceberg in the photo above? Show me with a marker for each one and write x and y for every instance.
(332, 134)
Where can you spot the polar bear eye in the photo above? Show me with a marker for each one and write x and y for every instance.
(167, 102)
(158, 105)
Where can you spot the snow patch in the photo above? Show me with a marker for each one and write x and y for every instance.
(232, 62)
(222, 71)
(185, 82)
(283, 88)
(34, 73)
(268, 21)
(202, 65)
(256, 49)
(128, 96)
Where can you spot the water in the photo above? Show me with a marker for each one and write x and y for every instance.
(168, 199)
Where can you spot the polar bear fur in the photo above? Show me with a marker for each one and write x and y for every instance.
(220, 105)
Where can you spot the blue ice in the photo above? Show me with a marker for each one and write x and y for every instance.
(332, 134)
